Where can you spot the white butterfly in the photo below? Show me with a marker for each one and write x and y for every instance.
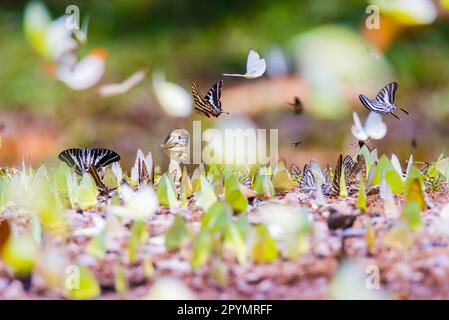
(373, 128)
(255, 67)
(84, 74)
(113, 89)
(174, 99)
(397, 166)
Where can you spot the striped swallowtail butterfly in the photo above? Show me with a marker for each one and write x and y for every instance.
(384, 101)
(210, 104)
(83, 159)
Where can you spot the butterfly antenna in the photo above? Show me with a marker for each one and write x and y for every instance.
(395, 116)
(405, 111)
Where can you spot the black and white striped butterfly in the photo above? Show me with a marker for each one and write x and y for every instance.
(82, 159)
(210, 104)
(384, 101)
(308, 180)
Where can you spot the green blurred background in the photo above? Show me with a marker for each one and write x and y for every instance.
(331, 57)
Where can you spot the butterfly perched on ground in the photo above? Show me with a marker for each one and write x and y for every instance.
(384, 101)
(337, 177)
(313, 176)
(255, 67)
(176, 144)
(83, 159)
(354, 170)
(210, 104)
(295, 172)
(296, 105)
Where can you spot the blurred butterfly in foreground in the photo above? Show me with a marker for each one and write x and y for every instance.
(384, 101)
(255, 67)
(176, 145)
(210, 104)
(83, 159)
(296, 105)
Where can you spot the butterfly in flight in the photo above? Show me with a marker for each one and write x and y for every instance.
(297, 142)
(83, 159)
(255, 67)
(296, 105)
(384, 101)
(210, 104)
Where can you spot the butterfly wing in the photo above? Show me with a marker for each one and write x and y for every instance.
(357, 129)
(102, 157)
(348, 165)
(255, 66)
(387, 94)
(374, 127)
(73, 157)
(295, 171)
(201, 105)
(371, 105)
(213, 97)
(337, 176)
(307, 181)
(359, 169)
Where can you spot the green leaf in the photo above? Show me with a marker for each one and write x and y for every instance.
(264, 249)
(234, 196)
(84, 285)
(166, 192)
(87, 193)
(412, 214)
(177, 234)
(205, 197)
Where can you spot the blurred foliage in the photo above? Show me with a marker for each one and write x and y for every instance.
(199, 39)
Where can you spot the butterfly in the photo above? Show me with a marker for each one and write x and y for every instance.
(384, 101)
(209, 105)
(297, 142)
(313, 176)
(397, 166)
(295, 172)
(82, 159)
(357, 169)
(373, 128)
(143, 170)
(114, 89)
(337, 177)
(94, 173)
(255, 67)
(307, 182)
(176, 145)
(296, 105)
